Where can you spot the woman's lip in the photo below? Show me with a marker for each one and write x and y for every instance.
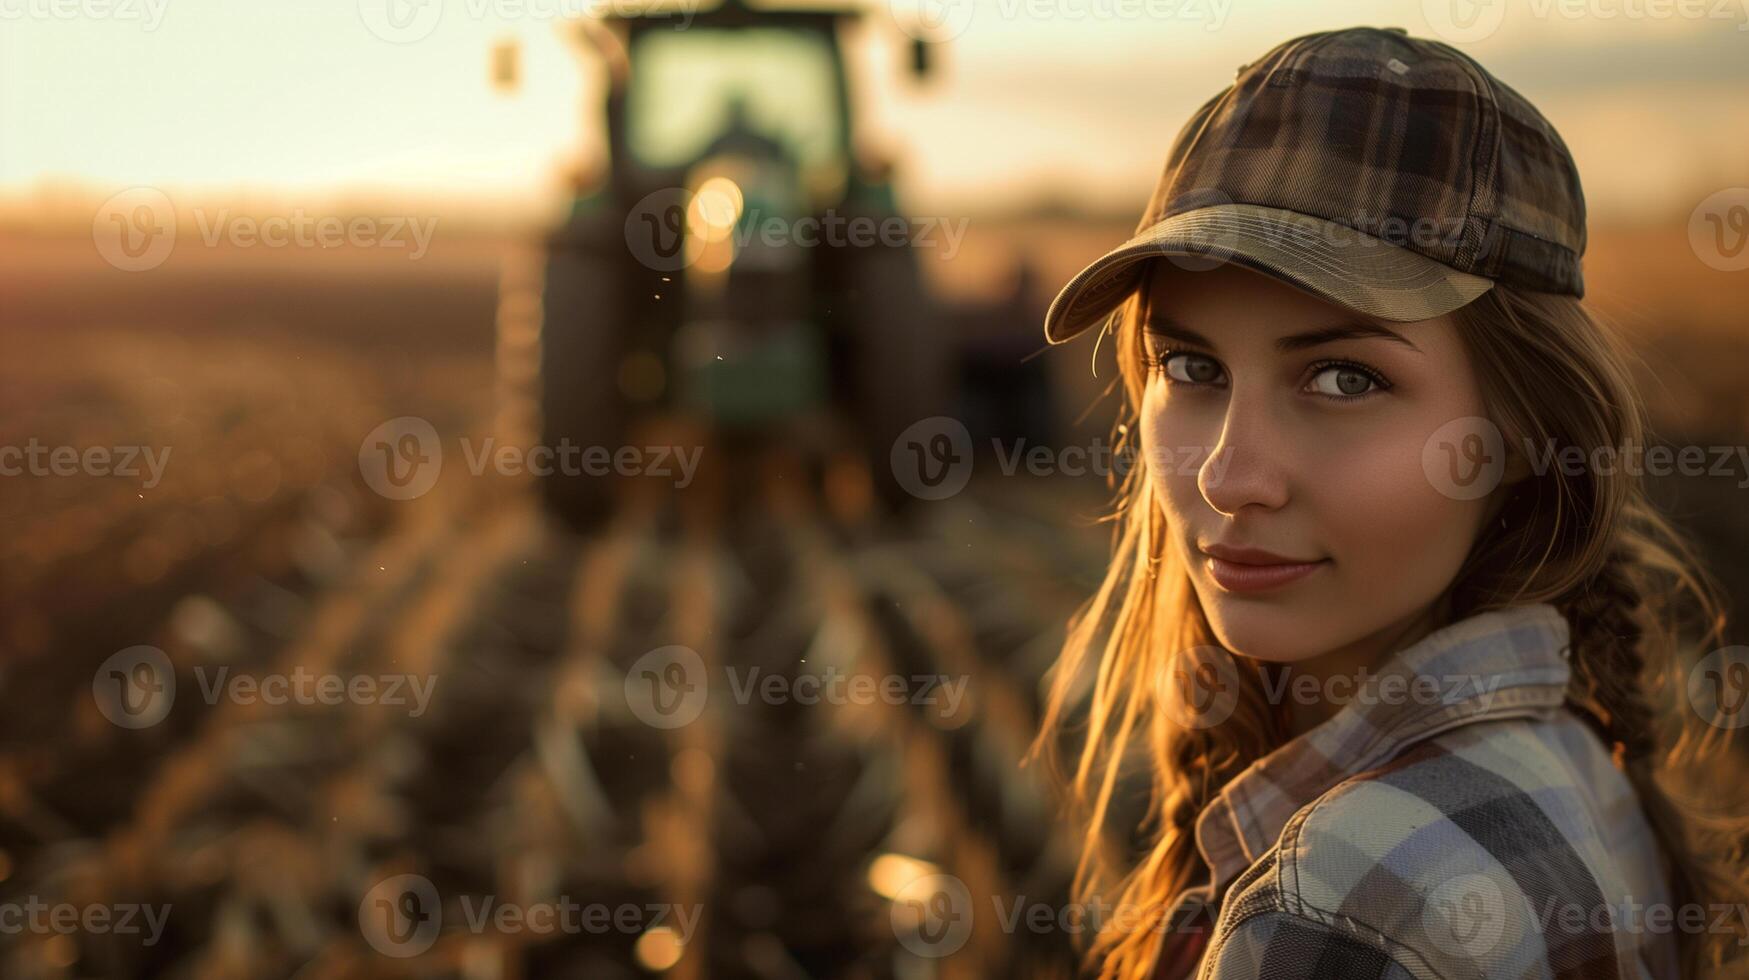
(1235, 577)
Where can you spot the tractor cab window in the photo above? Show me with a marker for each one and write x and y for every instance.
(694, 90)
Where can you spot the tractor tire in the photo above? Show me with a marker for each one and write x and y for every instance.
(901, 358)
(583, 341)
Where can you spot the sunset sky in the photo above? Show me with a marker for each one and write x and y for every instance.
(1076, 99)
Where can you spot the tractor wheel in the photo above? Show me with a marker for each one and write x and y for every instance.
(583, 340)
(901, 359)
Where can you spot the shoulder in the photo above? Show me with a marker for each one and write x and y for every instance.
(1440, 864)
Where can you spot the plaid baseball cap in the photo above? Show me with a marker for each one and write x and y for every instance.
(1389, 174)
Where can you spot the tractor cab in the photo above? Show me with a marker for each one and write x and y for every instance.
(708, 272)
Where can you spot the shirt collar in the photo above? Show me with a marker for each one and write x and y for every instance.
(1504, 663)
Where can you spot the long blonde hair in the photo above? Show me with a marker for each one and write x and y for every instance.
(1592, 544)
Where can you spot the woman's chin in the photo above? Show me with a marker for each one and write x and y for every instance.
(1261, 632)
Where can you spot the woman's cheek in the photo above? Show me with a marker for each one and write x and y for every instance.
(1389, 527)
(1169, 448)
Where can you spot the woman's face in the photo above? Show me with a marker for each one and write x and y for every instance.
(1279, 422)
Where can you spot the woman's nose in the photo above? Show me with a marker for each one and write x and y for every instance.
(1249, 464)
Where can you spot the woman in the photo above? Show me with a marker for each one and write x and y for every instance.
(1393, 668)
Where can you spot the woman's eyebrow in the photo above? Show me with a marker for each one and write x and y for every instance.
(1165, 327)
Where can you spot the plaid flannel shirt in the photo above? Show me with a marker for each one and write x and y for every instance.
(1484, 832)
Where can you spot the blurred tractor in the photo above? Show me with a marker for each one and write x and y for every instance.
(737, 263)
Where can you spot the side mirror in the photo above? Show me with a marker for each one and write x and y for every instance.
(922, 58)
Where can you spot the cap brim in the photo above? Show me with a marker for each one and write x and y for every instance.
(1328, 260)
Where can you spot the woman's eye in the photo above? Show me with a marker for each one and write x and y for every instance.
(1195, 369)
(1339, 381)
